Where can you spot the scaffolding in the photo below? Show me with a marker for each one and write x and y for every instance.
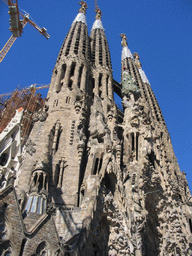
(26, 98)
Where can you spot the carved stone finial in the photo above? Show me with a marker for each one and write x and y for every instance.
(137, 58)
(124, 40)
(83, 7)
(98, 14)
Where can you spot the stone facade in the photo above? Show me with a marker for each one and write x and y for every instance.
(93, 180)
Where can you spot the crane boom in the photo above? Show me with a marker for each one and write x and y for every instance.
(42, 31)
(9, 43)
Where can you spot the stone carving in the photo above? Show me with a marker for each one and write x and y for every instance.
(98, 14)
(7, 175)
(30, 147)
(50, 209)
(81, 128)
(83, 7)
(124, 40)
(41, 115)
(78, 105)
(119, 240)
(137, 58)
(97, 127)
(129, 86)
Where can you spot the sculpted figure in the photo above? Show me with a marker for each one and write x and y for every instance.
(97, 126)
(129, 86)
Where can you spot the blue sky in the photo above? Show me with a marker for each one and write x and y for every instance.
(160, 31)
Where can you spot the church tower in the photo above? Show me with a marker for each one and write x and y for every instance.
(94, 180)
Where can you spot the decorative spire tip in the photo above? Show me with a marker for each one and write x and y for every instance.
(98, 13)
(83, 7)
(124, 40)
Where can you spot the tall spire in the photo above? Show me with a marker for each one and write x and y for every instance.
(139, 66)
(82, 11)
(126, 53)
(72, 63)
(102, 71)
(98, 23)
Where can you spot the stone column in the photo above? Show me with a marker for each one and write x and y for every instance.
(83, 79)
(110, 89)
(67, 76)
(104, 84)
(58, 80)
(76, 76)
(96, 90)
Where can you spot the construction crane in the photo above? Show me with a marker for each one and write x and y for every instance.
(17, 26)
(32, 86)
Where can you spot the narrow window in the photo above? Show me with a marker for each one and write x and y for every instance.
(107, 80)
(96, 165)
(84, 42)
(28, 206)
(40, 181)
(133, 179)
(22, 247)
(44, 205)
(133, 141)
(100, 164)
(100, 51)
(3, 159)
(80, 75)
(67, 99)
(72, 132)
(94, 46)
(100, 78)
(70, 40)
(137, 146)
(190, 225)
(55, 103)
(34, 204)
(39, 203)
(70, 84)
(72, 69)
(106, 51)
(63, 71)
(77, 40)
(93, 83)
